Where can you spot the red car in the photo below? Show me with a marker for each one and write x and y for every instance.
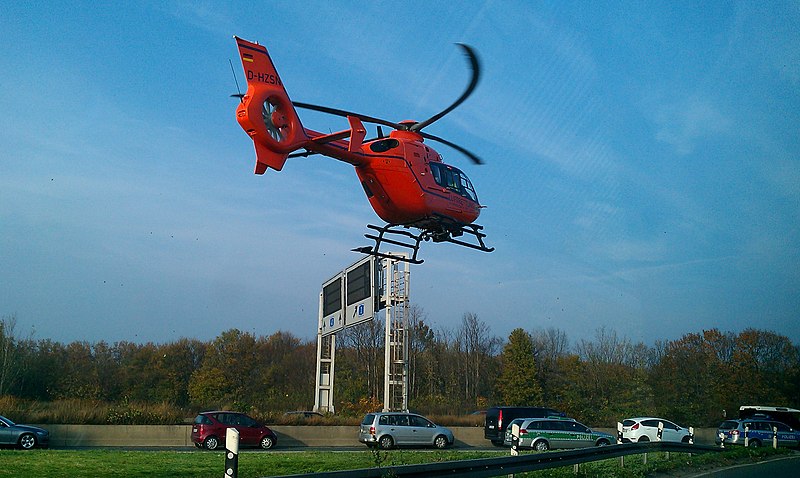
(210, 428)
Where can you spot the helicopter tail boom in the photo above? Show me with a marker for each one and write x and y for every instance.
(266, 113)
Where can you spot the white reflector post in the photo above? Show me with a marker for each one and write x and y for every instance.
(514, 439)
(232, 453)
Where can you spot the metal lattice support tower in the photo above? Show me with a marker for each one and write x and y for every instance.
(326, 351)
(396, 276)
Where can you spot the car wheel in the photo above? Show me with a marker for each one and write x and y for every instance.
(497, 443)
(754, 444)
(198, 445)
(440, 442)
(643, 439)
(603, 443)
(386, 442)
(685, 439)
(267, 442)
(27, 441)
(541, 445)
(211, 443)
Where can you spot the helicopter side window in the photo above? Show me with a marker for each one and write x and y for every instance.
(384, 145)
(437, 173)
(444, 177)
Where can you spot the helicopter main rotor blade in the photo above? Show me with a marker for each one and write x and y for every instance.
(475, 159)
(302, 155)
(344, 113)
(476, 74)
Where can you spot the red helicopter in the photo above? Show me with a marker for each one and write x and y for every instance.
(404, 179)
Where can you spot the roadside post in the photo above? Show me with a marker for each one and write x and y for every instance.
(775, 437)
(514, 439)
(232, 453)
(660, 434)
(721, 440)
(691, 435)
(746, 436)
(514, 442)
(619, 442)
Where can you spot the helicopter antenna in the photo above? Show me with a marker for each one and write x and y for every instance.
(238, 90)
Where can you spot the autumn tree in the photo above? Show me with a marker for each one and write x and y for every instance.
(366, 361)
(420, 339)
(611, 377)
(517, 384)
(286, 373)
(475, 346)
(692, 378)
(10, 355)
(226, 370)
(763, 366)
(550, 346)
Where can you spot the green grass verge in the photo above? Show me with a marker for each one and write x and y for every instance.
(200, 464)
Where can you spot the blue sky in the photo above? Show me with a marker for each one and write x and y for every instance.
(643, 164)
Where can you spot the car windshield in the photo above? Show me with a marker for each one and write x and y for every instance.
(6, 421)
(728, 425)
(368, 419)
(628, 423)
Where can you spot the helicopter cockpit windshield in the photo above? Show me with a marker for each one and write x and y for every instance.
(453, 179)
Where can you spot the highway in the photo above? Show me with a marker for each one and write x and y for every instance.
(777, 468)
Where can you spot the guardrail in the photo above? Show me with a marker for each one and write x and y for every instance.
(485, 467)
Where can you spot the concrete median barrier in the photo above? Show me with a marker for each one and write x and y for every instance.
(66, 436)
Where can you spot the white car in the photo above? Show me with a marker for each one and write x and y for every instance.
(644, 429)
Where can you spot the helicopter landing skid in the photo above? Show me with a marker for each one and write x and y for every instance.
(472, 229)
(413, 245)
(382, 238)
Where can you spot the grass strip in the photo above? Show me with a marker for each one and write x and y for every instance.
(201, 464)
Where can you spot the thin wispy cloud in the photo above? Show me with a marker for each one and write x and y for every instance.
(640, 168)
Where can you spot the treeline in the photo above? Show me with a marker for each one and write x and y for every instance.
(694, 380)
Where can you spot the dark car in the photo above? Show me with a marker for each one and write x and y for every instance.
(23, 436)
(498, 418)
(210, 428)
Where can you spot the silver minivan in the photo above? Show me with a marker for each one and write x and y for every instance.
(390, 429)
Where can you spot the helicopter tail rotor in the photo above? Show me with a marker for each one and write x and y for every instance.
(266, 113)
